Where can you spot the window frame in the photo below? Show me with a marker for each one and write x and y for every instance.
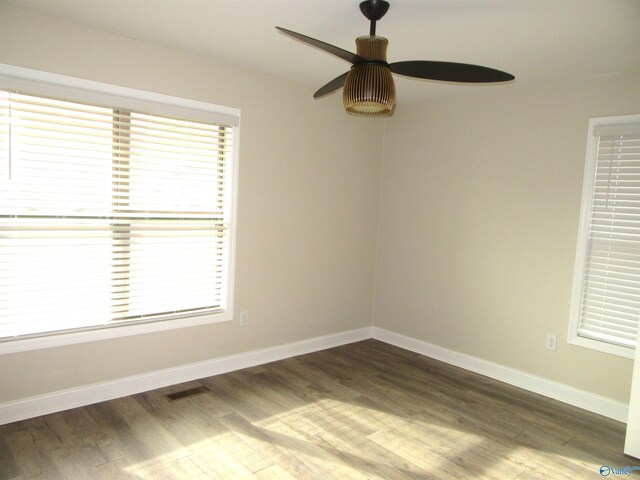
(73, 89)
(583, 235)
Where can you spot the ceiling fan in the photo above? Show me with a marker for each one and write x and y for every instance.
(368, 86)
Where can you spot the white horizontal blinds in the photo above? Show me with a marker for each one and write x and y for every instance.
(108, 216)
(60, 155)
(54, 274)
(611, 288)
(177, 252)
(54, 268)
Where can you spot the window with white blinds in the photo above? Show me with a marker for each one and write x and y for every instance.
(110, 216)
(607, 290)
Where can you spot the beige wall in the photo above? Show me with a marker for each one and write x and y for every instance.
(479, 206)
(307, 206)
(480, 200)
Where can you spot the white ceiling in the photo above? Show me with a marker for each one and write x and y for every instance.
(536, 40)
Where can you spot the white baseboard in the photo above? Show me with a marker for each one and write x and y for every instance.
(98, 392)
(558, 391)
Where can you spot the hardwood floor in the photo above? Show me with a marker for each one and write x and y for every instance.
(363, 411)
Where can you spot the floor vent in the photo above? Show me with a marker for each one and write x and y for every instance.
(186, 393)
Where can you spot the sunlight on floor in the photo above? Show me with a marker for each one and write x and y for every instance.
(327, 416)
(321, 435)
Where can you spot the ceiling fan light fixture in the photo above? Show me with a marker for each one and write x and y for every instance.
(369, 88)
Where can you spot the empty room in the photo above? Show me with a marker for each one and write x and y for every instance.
(319, 239)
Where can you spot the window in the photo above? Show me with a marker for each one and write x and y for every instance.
(605, 309)
(112, 217)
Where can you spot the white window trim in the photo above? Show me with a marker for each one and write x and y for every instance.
(79, 90)
(583, 233)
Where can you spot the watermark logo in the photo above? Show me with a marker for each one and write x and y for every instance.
(606, 470)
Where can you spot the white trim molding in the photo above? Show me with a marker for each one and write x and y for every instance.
(30, 407)
(35, 406)
(558, 391)
(37, 82)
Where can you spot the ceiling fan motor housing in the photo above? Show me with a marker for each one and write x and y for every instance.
(369, 88)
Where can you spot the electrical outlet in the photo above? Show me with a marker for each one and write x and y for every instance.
(244, 318)
(552, 342)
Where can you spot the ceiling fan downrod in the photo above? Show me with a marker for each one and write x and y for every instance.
(374, 10)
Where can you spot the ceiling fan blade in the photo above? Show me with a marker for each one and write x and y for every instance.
(450, 72)
(338, 52)
(332, 86)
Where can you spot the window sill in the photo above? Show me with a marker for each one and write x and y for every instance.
(70, 338)
(602, 347)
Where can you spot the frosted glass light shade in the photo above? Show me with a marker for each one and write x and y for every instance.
(369, 88)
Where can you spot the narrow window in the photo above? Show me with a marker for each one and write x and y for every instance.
(606, 299)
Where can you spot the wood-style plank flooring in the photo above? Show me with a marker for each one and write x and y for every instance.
(363, 411)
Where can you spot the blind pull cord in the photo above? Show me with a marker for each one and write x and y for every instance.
(9, 165)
